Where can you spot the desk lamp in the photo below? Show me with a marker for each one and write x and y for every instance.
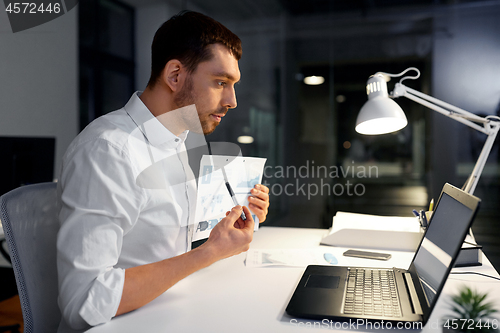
(381, 114)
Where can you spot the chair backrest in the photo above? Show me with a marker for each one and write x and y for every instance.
(30, 220)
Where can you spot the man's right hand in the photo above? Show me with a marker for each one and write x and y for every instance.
(144, 283)
(232, 235)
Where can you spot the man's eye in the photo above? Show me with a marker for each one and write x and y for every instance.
(221, 83)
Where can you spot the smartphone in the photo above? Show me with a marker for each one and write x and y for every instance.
(367, 255)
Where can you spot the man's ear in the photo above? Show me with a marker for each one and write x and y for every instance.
(174, 74)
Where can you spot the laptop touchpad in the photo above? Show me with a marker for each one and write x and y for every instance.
(323, 281)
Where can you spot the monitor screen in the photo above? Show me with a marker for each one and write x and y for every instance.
(25, 160)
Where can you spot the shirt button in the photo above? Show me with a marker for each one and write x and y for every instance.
(176, 140)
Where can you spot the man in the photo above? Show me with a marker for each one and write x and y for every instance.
(127, 192)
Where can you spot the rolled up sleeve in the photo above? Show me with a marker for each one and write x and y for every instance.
(103, 297)
(99, 205)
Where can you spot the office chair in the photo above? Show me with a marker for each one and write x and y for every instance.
(30, 220)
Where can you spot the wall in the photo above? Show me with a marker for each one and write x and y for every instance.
(39, 80)
(465, 73)
(148, 20)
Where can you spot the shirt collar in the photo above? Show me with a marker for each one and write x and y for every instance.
(157, 134)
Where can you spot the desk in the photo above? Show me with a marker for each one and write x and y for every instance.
(229, 297)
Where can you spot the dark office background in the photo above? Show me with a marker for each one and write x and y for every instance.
(453, 43)
(61, 75)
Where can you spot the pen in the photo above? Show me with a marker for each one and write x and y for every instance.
(424, 218)
(431, 205)
(231, 193)
(417, 215)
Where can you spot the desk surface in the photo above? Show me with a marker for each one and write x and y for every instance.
(229, 297)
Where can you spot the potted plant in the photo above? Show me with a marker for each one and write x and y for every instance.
(471, 313)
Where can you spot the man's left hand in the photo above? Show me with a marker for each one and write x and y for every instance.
(259, 201)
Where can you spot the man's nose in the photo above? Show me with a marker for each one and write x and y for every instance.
(229, 98)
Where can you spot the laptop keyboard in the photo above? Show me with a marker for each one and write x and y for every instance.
(371, 292)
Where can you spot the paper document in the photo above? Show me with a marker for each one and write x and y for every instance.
(291, 257)
(373, 231)
(213, 198)
(374, 222)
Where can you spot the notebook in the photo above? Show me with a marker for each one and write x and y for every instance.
(344, 293)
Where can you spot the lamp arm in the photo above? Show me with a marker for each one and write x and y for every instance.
(451, 111)
(453, 108)
(490, 128)
(471, 183)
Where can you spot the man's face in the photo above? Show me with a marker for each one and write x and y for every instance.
(211, 88)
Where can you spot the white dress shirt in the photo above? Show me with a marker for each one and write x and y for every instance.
(127, 198)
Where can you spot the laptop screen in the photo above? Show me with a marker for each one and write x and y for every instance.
(442, 241)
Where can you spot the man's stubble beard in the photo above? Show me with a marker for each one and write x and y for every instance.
(186, 97)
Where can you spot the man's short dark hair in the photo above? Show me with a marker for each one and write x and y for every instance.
(185, 37)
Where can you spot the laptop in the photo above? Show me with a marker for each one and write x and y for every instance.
(345, 293)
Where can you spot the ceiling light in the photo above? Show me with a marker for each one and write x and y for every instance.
(314, 80)
(245, 139)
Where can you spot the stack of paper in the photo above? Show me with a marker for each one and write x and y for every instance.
(374, 232)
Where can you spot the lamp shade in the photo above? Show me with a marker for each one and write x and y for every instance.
(380, 114)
